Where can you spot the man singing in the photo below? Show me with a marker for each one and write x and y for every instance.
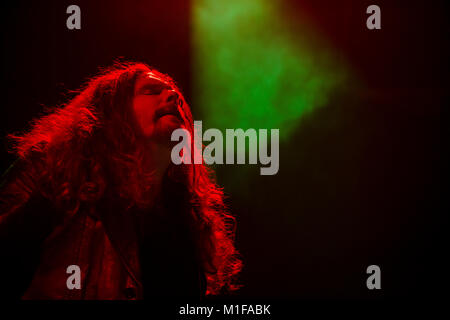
(94, 193)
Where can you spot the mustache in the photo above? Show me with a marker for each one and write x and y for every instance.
(168, 109)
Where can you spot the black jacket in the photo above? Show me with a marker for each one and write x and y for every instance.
(120, 256)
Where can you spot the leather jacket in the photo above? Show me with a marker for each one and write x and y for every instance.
(39, 242)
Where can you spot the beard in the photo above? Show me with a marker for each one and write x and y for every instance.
(164, 127)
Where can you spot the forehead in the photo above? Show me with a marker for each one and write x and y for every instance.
(151, 78)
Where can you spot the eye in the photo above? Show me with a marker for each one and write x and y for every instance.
(151, 91)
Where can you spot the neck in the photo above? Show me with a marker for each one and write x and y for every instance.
(157, 160)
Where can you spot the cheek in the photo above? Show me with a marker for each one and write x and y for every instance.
(144, 110)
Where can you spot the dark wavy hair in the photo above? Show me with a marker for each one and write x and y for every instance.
(90, 145)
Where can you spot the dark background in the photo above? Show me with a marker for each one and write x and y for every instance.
(360, 181)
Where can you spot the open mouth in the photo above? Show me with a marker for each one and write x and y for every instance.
(169, 110)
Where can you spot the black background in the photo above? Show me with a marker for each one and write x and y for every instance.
(360, 181)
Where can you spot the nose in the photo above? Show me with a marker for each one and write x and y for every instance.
(171, 96)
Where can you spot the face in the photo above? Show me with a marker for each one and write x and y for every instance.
(156, 108)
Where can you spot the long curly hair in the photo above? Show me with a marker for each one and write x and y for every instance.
(90, 145)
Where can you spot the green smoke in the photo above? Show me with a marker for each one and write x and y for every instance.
(251, 71)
